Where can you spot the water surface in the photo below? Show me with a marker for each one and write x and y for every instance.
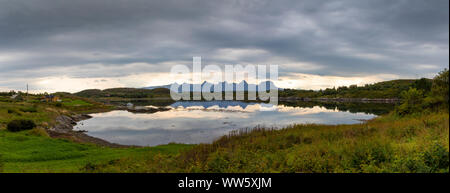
(202, 122)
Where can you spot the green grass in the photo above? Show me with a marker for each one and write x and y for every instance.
(40, 114)
(25, 152)
(43, 113)
(76, 102)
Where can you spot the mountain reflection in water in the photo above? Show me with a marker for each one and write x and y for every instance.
(195, 122)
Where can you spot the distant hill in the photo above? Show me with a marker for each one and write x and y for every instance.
(124, 93)
(162, 86)
(385, 89)
(163, 91)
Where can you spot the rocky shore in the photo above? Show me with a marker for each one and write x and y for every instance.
(64, 129)
(147, 109)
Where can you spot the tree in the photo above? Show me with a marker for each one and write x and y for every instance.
(423, 84)
(439, 90)
(412, 101)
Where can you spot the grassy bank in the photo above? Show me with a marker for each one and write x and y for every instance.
(44, 113)
(28, 151)
(386, 144)
(415, 143)
(389, 143)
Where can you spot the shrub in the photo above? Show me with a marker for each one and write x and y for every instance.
(439, 90)
(437, 158)
(218, 162)
(370, 153)
(423, 84)
(39, 132)
(412, 101)
(14, 111)
(20, 125)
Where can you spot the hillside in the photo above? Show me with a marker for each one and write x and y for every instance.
(124, 93)
(386, 89)
(225, 86)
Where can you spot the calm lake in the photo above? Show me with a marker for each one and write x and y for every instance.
(202, 122)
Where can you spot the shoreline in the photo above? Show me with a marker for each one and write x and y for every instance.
(65, 123)
(349, 100)
(64, 129)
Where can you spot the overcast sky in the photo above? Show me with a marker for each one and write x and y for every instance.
(70, 45)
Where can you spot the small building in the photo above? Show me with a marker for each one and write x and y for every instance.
(17, 97)
(50, 98)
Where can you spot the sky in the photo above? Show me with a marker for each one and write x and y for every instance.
(71, 45)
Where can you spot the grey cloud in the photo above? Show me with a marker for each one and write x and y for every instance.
(345, 38)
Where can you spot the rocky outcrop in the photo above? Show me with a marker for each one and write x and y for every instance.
(65, 123)
(148, 109)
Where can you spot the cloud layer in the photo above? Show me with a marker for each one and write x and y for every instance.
(106, 39)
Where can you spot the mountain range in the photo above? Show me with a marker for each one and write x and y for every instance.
(226, 87)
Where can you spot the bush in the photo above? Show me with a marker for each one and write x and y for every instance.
(437, 158)
(440, 90)
(20, 125)
(39, 132)
(412, 102)
(371, 153)
(423, 84)
(32, 109)
(58, 104)
(14, 111)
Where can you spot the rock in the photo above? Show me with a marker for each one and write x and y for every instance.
(81, 117)
(148, 109)
(65, 123)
